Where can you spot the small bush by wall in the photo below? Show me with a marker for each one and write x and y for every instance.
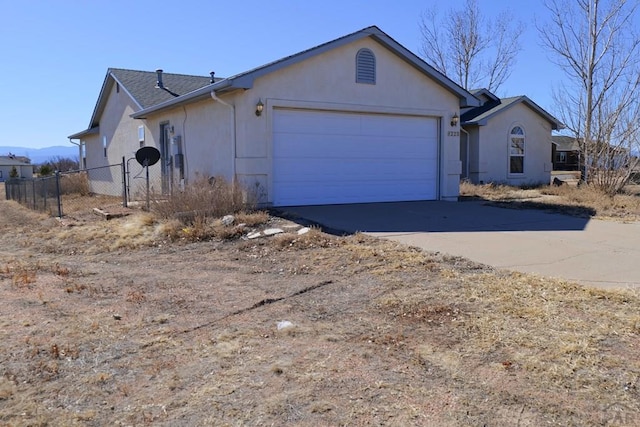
(204, 197)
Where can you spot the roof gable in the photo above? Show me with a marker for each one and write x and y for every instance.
(481, 115)
(484, 95)
(246, 79)
(141, 87)
(565, 143)
(13, 161)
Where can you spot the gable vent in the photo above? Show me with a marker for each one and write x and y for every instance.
(365, 67)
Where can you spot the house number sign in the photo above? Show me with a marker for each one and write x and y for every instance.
(453, 133)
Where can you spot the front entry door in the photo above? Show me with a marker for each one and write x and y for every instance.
(165, 158)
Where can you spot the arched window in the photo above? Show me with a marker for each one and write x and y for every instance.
(516, 150)
(365, 67)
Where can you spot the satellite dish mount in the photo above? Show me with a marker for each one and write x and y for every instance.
(147, 156)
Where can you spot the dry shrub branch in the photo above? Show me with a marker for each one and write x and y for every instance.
(203, 198)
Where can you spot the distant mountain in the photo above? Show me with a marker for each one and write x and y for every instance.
(41, 155)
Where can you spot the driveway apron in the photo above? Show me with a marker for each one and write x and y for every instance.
(588, 251)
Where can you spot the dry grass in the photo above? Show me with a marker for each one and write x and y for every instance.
(383, 334)
(579, 201)
(203, 198)
(76, 183)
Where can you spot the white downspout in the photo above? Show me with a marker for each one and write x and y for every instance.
(233, 133)
(79, 145)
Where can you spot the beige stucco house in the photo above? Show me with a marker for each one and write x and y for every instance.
(506, 141)
(24, 169)
(357, 119)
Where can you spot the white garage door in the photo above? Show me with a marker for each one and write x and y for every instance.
(333, 157)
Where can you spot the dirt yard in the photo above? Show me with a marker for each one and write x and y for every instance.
(112, 323)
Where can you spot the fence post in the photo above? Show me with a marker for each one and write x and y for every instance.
(124, 182)
(45, 194)
(58, 194)
(33, 190)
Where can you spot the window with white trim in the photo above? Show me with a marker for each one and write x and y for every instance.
(365, 67)
(516, 150)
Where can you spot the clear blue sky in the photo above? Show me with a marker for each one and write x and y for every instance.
(54, 54)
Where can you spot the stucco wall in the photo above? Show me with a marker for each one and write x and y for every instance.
(213, 137)
(493, 160)
(327, 81)
(120, 129)
(121, 132)
(204, 130)
(24, 171)
(474, 154)
(94, 152)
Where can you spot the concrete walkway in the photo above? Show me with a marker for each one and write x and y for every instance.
(591, 252)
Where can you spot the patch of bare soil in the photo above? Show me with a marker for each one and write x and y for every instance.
(112, 323)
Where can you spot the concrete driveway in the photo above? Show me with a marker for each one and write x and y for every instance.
(592, 252)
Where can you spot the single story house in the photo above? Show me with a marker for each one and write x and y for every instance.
(23, 167)
(506, 141)
(357, 119)
(566, 153)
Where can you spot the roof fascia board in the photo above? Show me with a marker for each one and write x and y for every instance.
(91, 131)
(97, 109)
(555, 123)
(466, 98)
(246, 80)
(109, 79)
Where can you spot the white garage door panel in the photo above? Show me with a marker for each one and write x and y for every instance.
(336, 193)
(349, 170)
(333, 157)
(315, 146)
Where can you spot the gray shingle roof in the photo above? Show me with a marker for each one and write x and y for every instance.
(479, 115)
(142, 85)
(11, 161)
(565, 143)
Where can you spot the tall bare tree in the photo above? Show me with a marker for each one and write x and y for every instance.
(595, 44)
(470, 48)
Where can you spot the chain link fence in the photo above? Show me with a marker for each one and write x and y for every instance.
(69, 192)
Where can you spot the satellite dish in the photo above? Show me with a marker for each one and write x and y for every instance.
(148, 156)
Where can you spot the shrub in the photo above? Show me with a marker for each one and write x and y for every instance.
(205, 197)
(45, 170)
(76, 183)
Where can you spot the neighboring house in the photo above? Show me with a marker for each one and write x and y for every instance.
(568, 156)
(357, 119)
(23, 167)
(506, 141)
(566, 153)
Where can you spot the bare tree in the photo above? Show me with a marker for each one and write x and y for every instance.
(468, 47)
(594, 43)
(63, 164)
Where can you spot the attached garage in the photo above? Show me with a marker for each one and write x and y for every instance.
(332, 157)
(359, 119)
